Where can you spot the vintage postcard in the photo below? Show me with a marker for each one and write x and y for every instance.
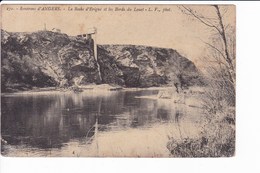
(118, 80)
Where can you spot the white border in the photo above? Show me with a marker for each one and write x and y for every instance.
(248, 116)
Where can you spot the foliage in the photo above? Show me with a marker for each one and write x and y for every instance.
(208, 146)
(217, 138)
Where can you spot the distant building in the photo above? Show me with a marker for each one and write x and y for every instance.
(56, 30)
(88, 40)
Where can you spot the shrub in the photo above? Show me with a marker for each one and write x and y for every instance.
(217, 139)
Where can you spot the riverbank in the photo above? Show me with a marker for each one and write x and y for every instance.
(104, 87)
(190, 97)
(101, 87)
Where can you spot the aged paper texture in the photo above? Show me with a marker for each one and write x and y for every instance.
(118, 80)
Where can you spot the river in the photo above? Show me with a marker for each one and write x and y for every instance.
(93, 123)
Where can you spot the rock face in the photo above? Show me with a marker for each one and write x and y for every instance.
(45, 59)
(142, 66)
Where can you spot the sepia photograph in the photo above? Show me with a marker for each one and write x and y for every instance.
(128, 80)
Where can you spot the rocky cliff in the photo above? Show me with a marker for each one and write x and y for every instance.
(45, 58)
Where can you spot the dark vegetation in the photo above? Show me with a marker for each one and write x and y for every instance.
(51, 59)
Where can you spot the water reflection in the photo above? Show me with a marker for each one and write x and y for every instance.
(51, 120)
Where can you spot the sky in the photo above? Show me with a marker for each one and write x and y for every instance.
(170, 29)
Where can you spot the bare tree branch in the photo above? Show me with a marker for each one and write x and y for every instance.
(215, 48)
(223, 35)
(205, 22)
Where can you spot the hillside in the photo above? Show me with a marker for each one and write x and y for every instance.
(45, 59)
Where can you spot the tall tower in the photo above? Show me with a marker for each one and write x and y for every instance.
(44, 27)
(93, 32)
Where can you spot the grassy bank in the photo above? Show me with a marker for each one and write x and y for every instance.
(217, 132)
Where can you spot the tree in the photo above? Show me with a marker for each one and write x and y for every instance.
(221, 67)
(217, 137)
